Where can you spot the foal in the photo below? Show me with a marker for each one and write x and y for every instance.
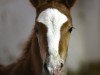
(46, 51)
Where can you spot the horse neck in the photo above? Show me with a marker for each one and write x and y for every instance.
(32, 55)
(29, 63)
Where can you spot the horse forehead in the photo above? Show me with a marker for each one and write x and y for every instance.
(52, 18)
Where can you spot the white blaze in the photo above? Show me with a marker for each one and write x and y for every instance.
(53, 20)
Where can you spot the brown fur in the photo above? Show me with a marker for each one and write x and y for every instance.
(64, 41)
(29, 64)
(31, 61)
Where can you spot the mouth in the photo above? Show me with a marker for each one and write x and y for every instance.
(57, 71)
(52, 71)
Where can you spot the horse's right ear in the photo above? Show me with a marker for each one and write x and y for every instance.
(36, 3)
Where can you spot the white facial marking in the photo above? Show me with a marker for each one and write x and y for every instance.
(53, 20)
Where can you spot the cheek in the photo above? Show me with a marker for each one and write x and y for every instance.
(43, 47)
(63, 45)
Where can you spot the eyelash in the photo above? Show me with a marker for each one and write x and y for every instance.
(70, 30)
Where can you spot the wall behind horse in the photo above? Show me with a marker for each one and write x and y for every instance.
(16, 21)
(85, 40)
(90, 21)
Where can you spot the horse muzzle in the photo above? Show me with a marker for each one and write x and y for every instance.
(53, 71)
(53, 66)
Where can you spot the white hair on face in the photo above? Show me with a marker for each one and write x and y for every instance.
(53, 20)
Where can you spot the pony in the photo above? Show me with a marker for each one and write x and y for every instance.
(46, 50)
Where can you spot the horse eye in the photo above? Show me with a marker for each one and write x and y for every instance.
(70, 30)
(36, 30)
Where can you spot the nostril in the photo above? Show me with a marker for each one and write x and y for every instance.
(45, 67)
(61, 65)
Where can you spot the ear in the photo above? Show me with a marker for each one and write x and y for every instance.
(36, 3)
(70, 3)
(35, 52)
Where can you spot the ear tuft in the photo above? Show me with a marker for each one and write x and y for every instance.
(70, 3)
(34, 2)
(37, 3)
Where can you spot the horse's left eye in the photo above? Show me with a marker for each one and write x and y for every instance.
(70, 30)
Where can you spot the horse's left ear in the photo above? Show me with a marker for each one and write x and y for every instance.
(70, 3)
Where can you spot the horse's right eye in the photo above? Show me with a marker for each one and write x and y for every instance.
(36, 30)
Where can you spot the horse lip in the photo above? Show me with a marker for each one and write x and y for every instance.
(53, 72)
(56, 72)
